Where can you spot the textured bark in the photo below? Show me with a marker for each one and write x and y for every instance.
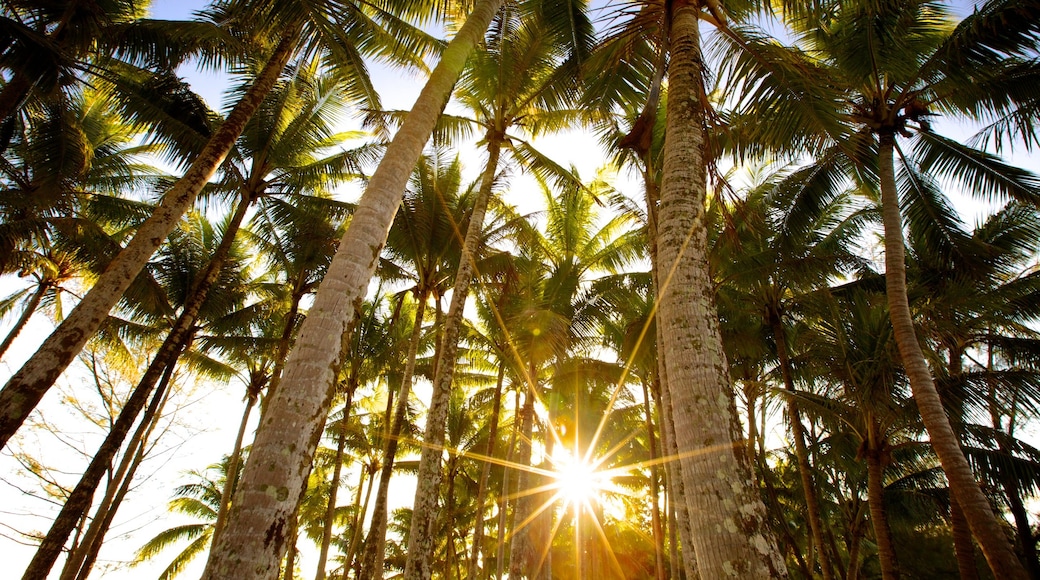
(963, 546)
(284, 446)
(232, 471)
(977, 510)
(731, 536)
(812, 503)
(24, 390)
(375, 546)
(879, 517)
(424, 508)
(477, 549)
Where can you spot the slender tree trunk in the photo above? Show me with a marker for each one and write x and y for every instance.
(81, 560)
(879, 516)
(359, 516)
(79, 500)
(963, 546)
(30, 308)
(290, 556)
(285, 442)
(521, 549)
(420, 538)
(731, 535)
(330, 509)
(233, 462)
(375, 547)
(854, 545)
(812, 503)
(477, 549)
(24, 390)
(503, 498)
(963, 487)
(655, 508)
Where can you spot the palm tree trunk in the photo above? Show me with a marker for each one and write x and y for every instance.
(1001, 558)
(81, 560)
(232, 472)
(503, 498)
(24, 390)
(330, 509)
(286, 439)
(79, 500)
(879, 516)
(375, 546)
(521, 549)
(477, 549)
(290, 556)
(812, 503)
(731, 535)
(420, 538)
(963, 546)
(655, 508)
(23, 319)
(359, 516)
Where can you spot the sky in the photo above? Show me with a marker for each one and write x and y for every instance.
(214, 410)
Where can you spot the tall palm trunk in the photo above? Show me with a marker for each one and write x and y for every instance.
(375, 547)
(424, 507)
(361, 508)
(30, 308)
(24, 390)
(232, 471)
(477, 549)
(285, 442)
(655, 508)
(879, 516)
(730, 530)
(503, 497)
(812, 502)
(963, 487)
(521, 553)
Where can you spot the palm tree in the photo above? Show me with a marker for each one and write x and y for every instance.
(307, 379)
(513, 82)
(307, 32)
(916, 64)
(199, 499)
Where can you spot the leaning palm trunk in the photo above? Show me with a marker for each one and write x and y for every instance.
(730, 530)
(276, 471)
(30, 308)
(79, 500)
(330, 508)
(81, 560)
(963, 487)
(424, 508)
(233, 462)
(24, 390)
(879, 516)
(521, 549)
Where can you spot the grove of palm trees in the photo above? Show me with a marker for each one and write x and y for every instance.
(672, 290)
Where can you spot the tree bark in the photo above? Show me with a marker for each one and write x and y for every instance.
(1001, 558)
(879, 516)
(521, 552)
(420, 538)
(24, 390)
(284, 446)
(731, 535)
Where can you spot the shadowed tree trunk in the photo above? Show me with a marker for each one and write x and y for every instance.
(966, 491)
(879, 516)
(477, 548)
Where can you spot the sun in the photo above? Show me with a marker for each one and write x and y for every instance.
(578, 482)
